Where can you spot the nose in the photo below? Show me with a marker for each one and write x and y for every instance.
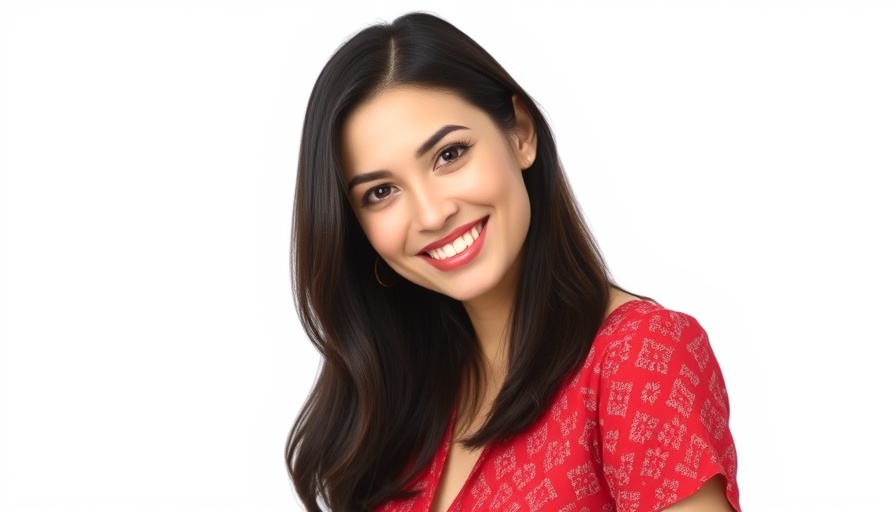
(432, 207)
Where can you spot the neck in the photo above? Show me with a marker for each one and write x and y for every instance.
(491, 321)
(490, 315)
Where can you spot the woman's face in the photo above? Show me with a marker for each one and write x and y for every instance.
(438, 189)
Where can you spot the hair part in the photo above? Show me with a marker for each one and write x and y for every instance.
(396, 361)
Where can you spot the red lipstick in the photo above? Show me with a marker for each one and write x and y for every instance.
(464, 257)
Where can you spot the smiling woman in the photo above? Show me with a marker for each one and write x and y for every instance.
(476, 353)
(430, 214)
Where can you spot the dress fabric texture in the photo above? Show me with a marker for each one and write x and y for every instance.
(641, 425)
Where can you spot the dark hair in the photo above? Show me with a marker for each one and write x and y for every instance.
(397, 360)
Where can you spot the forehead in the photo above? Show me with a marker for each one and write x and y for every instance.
(390, 126)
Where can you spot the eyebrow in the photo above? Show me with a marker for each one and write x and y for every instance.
(426, 146)
(368, 176)
(436, 137)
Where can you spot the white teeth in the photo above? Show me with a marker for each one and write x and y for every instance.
(459, 245)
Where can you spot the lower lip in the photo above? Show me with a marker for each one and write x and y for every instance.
(461, 259)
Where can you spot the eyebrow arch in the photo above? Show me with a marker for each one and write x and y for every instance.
(436, 137)
(369, 176)
(426, 146)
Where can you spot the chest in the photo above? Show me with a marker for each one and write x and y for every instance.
(459, 464)
(549, 466)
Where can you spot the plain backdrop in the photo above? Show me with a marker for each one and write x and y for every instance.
(734, 160)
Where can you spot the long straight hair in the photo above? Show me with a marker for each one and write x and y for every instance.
(397, 360)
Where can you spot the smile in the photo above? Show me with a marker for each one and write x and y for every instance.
(458, 248)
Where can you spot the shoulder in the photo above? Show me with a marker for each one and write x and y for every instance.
(646, 355)
(640, 334)
(660, 405)
(647, 318)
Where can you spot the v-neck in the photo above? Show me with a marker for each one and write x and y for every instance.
(443, 459)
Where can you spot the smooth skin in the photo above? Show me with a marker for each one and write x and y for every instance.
(405, 199)
(709, 498)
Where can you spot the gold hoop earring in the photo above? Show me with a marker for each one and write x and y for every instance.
(376, 274)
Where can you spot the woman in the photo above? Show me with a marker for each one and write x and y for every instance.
(476, 353)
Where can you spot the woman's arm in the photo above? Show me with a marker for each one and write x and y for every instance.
(709, 498)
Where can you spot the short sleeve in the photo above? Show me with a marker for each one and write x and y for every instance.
(663, 413)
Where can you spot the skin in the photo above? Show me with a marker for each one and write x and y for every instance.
(405, 201)
(709, 498)
(425, 198)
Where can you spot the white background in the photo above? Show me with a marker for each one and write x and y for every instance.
(734, 159)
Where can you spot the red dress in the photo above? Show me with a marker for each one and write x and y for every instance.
(643, 424)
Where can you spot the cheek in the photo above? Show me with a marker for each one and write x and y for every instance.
(491, 180)
(498, 181)
(383, 235)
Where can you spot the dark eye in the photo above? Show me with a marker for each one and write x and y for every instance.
(451, 153)
(377, 194)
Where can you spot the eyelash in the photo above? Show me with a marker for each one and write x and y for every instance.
(463, 145)
(365, 200)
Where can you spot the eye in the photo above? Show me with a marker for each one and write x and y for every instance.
(377, 194)
(452, 153)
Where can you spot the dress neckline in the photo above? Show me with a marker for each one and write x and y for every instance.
(443, 459)
(480, 460)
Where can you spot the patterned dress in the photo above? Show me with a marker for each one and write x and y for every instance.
(642, 425)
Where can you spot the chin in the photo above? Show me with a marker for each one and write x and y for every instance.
(475, 289)
(479, 281)
(464, 295)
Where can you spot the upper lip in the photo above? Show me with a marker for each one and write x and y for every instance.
(451, 237)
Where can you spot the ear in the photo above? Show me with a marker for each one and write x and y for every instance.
(522, 135)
